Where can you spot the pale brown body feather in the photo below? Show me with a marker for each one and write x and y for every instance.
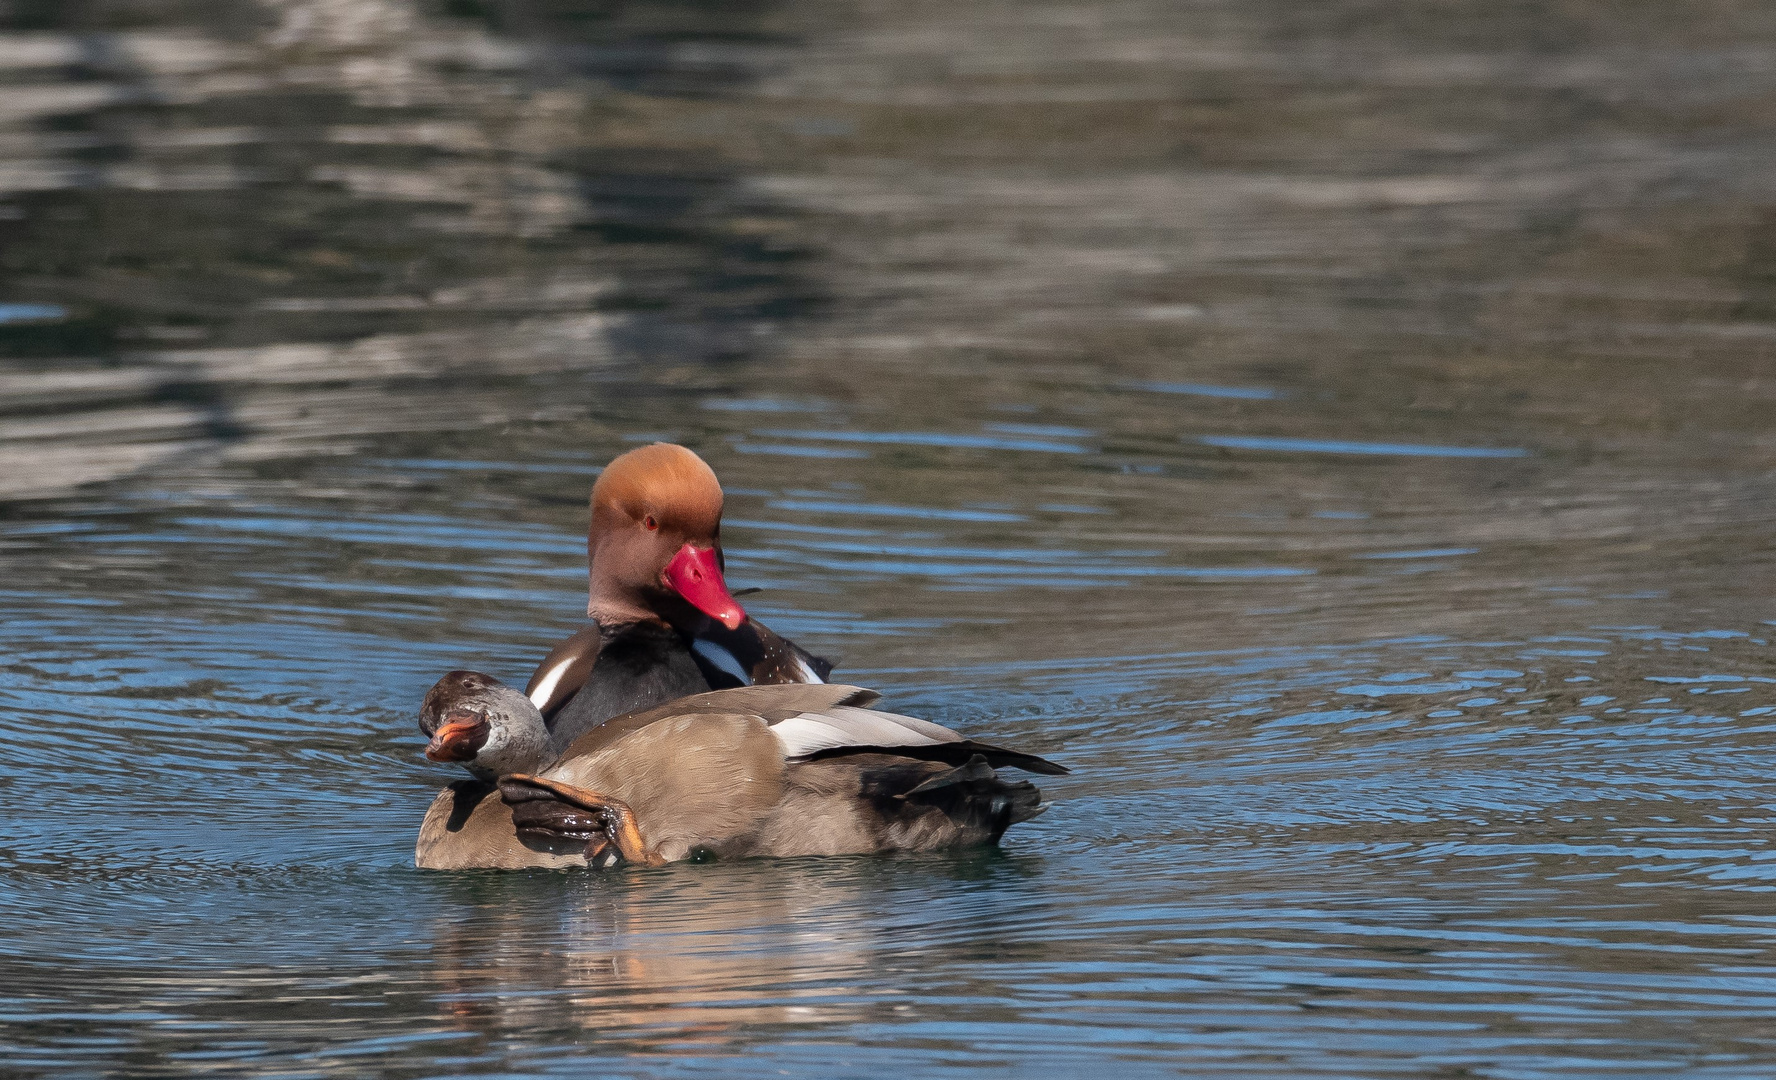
(469, 827)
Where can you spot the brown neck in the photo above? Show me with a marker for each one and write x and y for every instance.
(617, 613)
(619, 607)
(613, 600)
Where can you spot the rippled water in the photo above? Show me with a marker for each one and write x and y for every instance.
(1342, 432)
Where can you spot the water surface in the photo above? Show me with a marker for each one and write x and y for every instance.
(1340, 432)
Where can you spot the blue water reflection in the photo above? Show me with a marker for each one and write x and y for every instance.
(1339, 432)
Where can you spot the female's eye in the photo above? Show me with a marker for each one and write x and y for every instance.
(650, 522)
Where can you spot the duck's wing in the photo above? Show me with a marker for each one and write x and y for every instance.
(752, 655)
(755, 655)
(822, 720)
(811, 732)
(812, 721)
(564, 671)
(851, 729)
(767, 703)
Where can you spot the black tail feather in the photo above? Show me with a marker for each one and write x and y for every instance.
(973, 796)
(954, 753)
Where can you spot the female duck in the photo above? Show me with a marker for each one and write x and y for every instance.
(775, 770)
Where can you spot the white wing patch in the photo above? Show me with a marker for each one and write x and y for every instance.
(721, 658)
(809, 675)
(540, 696)
(847, 725)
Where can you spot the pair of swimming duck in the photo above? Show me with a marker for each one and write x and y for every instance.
(675, 726)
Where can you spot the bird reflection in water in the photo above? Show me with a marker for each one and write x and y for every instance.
(689, 956)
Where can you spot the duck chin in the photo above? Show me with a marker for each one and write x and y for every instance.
(491, 762)
(514, 745)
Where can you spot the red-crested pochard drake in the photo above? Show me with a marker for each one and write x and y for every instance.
(776, 770)
(664, 624)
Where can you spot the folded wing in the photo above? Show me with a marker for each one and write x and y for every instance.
(852, 729)
(812, 721)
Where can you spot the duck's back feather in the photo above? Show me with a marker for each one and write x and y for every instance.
(772, 704)
(812, 722)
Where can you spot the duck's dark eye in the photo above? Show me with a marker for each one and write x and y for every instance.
(650, 522)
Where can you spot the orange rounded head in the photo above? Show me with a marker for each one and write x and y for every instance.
(655, 541)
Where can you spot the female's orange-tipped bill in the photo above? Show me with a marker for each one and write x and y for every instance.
(459, 739)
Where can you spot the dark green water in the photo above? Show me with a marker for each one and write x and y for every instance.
(1344, 432)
